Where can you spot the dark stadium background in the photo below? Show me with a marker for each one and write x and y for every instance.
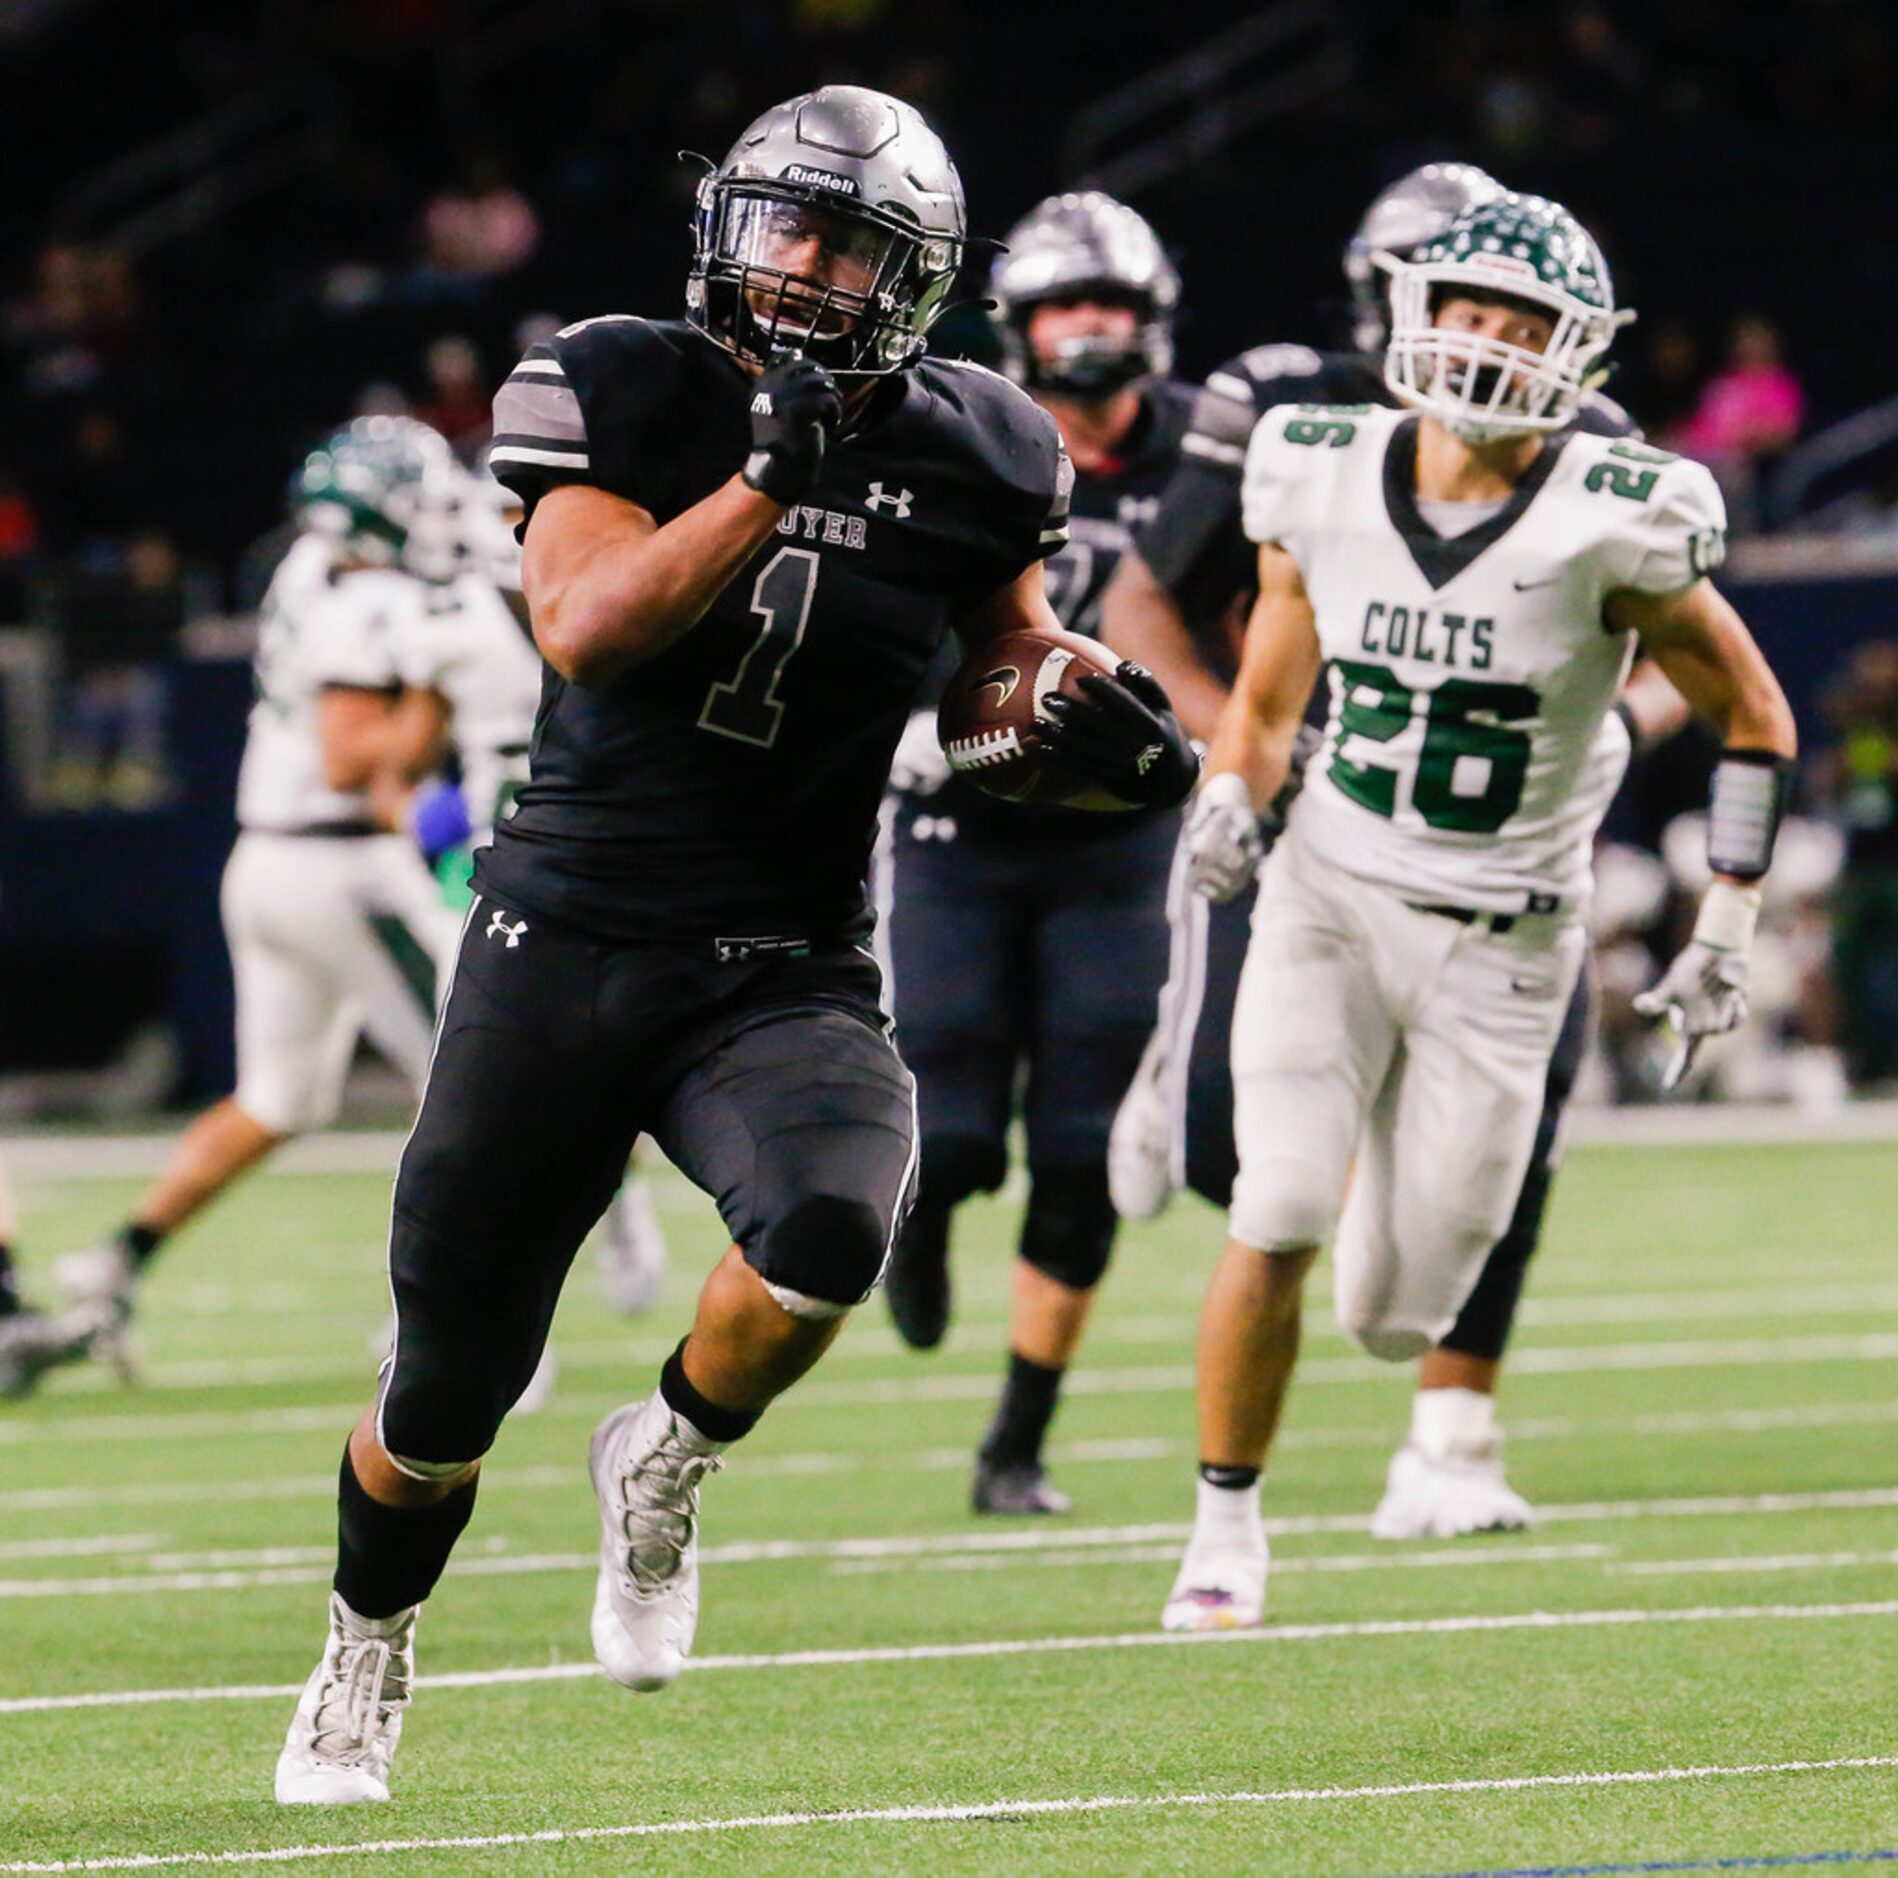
(215, 243)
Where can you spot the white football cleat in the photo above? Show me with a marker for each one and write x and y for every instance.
(1221, 1582)
(103, 1281)
(101, 1274)
(32, 1342)
(1140, 1144)
(647, 1464)
(632, 1250)
(1447, 1480)
(349, 1718)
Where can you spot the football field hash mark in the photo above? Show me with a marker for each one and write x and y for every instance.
(998, 1809)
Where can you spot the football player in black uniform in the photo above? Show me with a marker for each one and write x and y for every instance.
(1178, 604)
(1038, 940)
(747, 535)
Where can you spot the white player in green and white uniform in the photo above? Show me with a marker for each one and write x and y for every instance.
(1474, 585)
(336, 928)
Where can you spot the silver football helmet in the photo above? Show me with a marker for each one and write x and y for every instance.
(1085, 246)
(1415, 209)
(835, 228)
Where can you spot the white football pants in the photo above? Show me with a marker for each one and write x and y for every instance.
(329, 938)
(1416, 1046)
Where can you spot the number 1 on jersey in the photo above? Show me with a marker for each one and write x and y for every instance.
(746, 706)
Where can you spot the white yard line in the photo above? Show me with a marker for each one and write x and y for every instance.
(312, 1566)
(951, 1814)
(1785, 1562)
(1462, 1557)
(967, 1810)
(135, 1544)
(1029, 1646)
(49, 1156)
(334, 1417)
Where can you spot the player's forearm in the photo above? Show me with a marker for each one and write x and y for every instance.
(633, 594)
(1140, 621)
(1254, 746)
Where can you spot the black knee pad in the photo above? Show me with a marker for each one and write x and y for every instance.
(826, 1248)
(1068, 1231)
(955, 1166)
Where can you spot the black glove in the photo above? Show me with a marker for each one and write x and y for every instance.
(793, 407)
(1125, 737)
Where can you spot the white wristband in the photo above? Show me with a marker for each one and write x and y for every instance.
(1226, 788)
(1728, 915)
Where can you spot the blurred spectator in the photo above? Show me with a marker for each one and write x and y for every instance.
(19, 541)
(81, 312)
(1670, 378)
(474, 231)
(456, 402)
(117, 624)
(1748, 414)
(1858, 776)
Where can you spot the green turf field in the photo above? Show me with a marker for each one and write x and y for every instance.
(1693, 1660)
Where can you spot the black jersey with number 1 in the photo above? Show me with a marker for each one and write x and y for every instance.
(729, 786)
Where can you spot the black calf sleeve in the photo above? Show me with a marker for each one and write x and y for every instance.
(713, 1422)
(1068, 1230)
(389, 1557)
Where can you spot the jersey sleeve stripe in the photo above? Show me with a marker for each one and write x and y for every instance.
(533, 454)
(1192, 444)
(539, 410)
(533, 369)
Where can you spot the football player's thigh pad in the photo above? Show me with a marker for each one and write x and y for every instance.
(1312, 1038)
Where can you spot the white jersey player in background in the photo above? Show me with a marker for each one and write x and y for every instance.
(1477, 586)
(336, 927)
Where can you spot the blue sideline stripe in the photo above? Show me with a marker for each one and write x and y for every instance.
(1778, 1862)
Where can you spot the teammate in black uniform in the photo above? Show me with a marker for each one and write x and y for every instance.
(1019, 938)
(1179, 604)
(739, 569)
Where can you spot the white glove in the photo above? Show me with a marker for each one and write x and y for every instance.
(919, 767)
(1703, 993)
(1222, 838)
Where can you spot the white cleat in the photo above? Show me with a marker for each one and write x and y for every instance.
(647, 1464)
(632, 1250)
(1447, 1479)
(349, 1718)
(1140, 1144)
(32, 1342)
(101, 1274)
(102, 1282)
(1448, 1496)
(1219, 1588)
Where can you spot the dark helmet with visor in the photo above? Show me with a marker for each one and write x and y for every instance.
(1085, 246)
(834, 228)
(1414, 210)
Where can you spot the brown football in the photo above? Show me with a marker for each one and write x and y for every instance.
(992, 718)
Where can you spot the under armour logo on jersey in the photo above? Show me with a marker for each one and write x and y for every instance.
(498, 926)
(898, 504)
(761, 404)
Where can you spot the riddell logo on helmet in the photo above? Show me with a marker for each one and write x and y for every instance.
(823, 179)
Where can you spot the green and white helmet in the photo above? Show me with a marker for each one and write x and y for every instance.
(1523, 249)
(371, 484)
